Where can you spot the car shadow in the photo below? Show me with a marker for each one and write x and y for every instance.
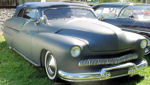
(117, 81)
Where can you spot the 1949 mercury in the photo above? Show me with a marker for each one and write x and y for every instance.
(69, 41)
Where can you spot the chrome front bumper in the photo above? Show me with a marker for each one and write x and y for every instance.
(104, 73)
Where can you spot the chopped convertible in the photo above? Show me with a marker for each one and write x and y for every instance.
(69, 41)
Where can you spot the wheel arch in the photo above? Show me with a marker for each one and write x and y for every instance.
(42, 57)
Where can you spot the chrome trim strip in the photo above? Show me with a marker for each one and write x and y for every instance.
(104, 73)
(116, 60)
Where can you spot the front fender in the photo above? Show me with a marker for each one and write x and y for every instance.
(134, 38)
(58, 45)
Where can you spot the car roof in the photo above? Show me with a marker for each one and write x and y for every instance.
(115, 4)
(118, 4)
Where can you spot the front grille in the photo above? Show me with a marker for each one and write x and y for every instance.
(108, 61)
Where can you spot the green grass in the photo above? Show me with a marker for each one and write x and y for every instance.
(15, 70)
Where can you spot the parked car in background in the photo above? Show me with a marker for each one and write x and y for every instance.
(72, 44)
(133, 17)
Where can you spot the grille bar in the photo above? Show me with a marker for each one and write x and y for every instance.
(118, 60)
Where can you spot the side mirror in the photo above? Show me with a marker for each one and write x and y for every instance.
(100, 17)
(44, 19)
(131, 16)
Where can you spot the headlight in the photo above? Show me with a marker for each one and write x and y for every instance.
(143, 44)
(75, 51)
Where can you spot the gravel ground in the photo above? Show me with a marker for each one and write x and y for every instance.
(4, 15)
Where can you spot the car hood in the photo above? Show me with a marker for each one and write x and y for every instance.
(99, 35)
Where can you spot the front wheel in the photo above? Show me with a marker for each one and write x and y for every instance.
(50, 66)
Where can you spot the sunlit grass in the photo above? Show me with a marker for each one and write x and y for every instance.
(1, 38)
(15, 70)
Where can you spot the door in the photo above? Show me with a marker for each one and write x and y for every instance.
(24, 32)
(121, 22)
(124, 18)
(12, 25)
(133, 16)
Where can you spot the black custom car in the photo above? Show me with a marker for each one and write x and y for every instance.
(72, 44)
(133, 17)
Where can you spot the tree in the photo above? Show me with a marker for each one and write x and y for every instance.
(102, 1)
(133, 0)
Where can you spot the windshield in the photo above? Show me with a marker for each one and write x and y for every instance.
(58, 13)
(138, 12)
(108, 12)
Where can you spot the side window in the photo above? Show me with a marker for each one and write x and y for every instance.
(126, 12)
(20, 13)
(99, 11)
(37, 15)
(30, 14)
(108, 12)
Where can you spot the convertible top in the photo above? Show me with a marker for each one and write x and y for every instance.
(47, 4)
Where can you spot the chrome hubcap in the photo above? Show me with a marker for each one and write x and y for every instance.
(51, 67)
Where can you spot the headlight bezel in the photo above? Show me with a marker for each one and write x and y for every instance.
(75, 51)
(143, 44)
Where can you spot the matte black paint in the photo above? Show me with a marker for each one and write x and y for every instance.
(93, 36)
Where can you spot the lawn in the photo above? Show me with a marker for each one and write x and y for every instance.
(15, 70)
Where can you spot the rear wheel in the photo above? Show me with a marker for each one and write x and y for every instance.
(50, 66)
